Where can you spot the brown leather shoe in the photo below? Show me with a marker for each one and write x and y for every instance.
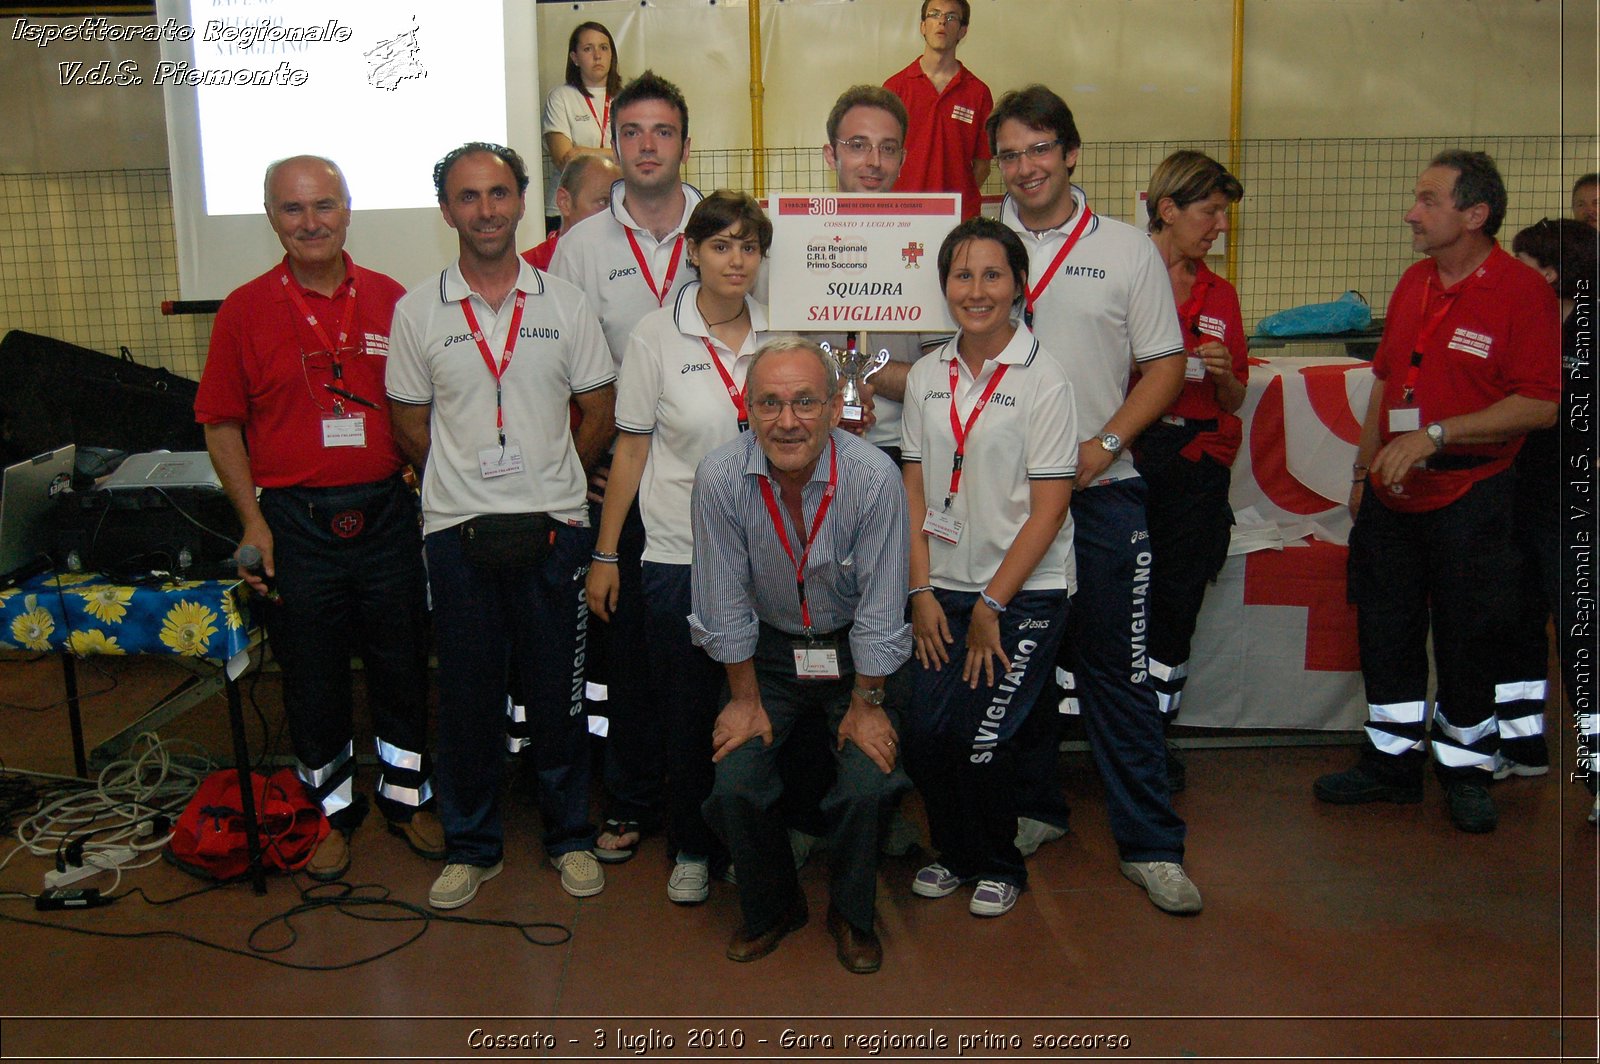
(859, 951)
(748, 947)
(423, 833)
(332, 858)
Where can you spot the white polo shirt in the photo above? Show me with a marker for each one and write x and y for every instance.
(568, 111)
(902, 347)
(596, 256)
(1108, 306)
(670, 389)
(1028, 431)
(559, 353)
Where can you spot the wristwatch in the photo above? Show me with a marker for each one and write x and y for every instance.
(1435, 431)
(1111, 442)
(872, 696)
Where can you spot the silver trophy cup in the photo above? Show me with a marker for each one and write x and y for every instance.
(855, 366)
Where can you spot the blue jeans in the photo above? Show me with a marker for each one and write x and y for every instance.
(483, 619)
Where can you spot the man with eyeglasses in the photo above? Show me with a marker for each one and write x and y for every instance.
(292, 400)
(865, 150)
(1100, 301)
(946, 150)
(801, 559)
(629, 259)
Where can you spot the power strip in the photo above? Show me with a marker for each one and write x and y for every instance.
(95, 862)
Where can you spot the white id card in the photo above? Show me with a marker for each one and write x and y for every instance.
(1194, 368)
(816, 661)
(941, 525)
(1405, 419)
(500, 461)
(347, 431)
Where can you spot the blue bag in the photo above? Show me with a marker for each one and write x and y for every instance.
(1348, 313)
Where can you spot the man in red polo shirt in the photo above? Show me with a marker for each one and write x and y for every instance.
(293, 403)
(1469, 363)
(947, 149)
(584, 188)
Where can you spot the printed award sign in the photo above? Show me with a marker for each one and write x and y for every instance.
(847, 263)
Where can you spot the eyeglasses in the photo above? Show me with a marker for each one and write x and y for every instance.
(806, 408)
(861, 147)
(947, 17)
(1036, 152)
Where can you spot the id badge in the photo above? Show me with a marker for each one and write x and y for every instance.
(1405, 419)
(941, 525)
(816, 661)
(498, 462)
(1194, 368)
(349, 430)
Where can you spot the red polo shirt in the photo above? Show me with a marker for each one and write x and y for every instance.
(539, 257)
(1212, 313)
(1497, 333)
(946, 133)
(266, 369)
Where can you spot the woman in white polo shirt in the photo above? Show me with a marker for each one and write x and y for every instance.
(577, 113)
(990, 450)
(679, 395)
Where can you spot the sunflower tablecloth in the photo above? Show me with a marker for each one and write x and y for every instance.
(87, 614)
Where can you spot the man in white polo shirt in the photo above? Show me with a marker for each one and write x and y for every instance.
(865, 149)
(483, 361)
(1100, 301)
(631, 260)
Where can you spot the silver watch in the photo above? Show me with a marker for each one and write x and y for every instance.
(1435, 431)
(1111, 442)
(872, 696)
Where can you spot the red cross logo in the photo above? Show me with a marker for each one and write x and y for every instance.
(347, 524)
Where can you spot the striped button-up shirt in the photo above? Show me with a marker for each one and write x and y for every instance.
(857, 574)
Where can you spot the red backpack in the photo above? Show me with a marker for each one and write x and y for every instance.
(209, 838)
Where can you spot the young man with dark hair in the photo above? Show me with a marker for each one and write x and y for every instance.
(1099, 299)
(484, 360)
(946, 150)
(628, 259)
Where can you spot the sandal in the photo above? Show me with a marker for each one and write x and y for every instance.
(617, 830)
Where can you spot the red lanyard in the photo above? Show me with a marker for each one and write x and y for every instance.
(961, 433)
(497, 371)
(300, 304)
(605, 122)
(816, 523)
(733, 390)
(1061, 256)
(1189, 313)
(1431, 320)
(672, 269)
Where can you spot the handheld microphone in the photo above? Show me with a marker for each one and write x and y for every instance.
(249, 558)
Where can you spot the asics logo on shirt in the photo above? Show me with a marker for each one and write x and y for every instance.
(628, 272)
(695, 367)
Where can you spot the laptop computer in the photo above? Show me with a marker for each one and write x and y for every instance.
(166, 470)
(27, 496)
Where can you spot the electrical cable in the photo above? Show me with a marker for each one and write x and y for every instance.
(377, 907)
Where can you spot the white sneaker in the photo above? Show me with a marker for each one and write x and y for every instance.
(458, 884)
(1169, 888)
(1504, 766)
(690, 882)
(1032, 834)
(581, 874)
